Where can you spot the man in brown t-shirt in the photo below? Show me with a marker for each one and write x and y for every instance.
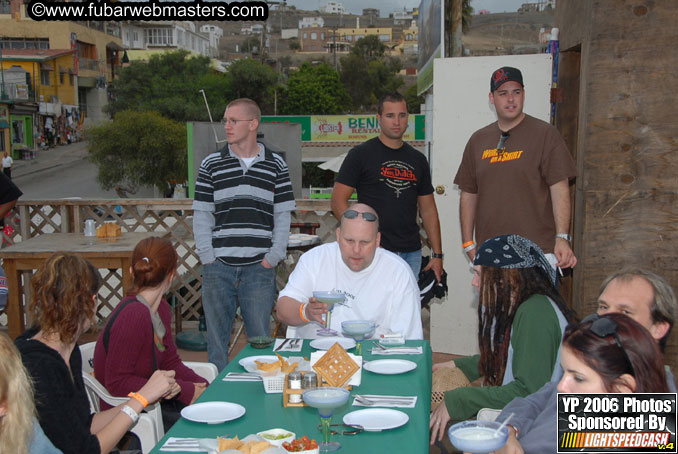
(514, 177)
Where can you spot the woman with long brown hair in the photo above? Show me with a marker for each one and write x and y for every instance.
(63, 304)
(603, 354)
(137, 339)
(521, 321)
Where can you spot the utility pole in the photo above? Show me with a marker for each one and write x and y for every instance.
(334, 47)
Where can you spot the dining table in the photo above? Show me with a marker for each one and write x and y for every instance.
(266, 411)
(31, 253)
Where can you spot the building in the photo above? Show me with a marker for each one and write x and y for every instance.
(313, 39)
(333, 8)
(402, 17)
(371, 12)
(214, 34)
(307, 22)
(323, 39)
(95, 49)
(143, 38)
(254, 29)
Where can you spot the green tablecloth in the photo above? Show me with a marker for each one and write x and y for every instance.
(266, 411)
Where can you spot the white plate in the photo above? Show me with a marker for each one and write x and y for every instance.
(390, 366)
(377, 419)
(327, 342)
(249, 363)
(213, 412)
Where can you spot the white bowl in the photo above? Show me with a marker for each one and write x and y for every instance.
(275, 432)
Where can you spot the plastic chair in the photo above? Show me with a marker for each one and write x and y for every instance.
(487, 414)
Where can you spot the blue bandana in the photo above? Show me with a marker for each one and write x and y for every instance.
(514, 251)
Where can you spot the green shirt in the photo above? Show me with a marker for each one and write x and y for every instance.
(535, 338)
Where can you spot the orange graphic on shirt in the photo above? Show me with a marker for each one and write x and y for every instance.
(496, 156)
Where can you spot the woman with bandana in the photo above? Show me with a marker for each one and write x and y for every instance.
(521, 320)
(137, 338)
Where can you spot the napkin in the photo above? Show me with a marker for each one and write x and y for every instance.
(398, 351)
(176, 444)
(292, 345)
(386, 401)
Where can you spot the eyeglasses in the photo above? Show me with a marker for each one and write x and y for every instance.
(501, 145)
(356, 429)
(233, 121)
(352, 214)
(604, 327)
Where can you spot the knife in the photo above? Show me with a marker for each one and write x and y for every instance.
(281, 345)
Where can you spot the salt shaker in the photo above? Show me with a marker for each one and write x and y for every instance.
(90, 229)
(294, 382)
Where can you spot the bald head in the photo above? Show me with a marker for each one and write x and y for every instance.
(358, 236)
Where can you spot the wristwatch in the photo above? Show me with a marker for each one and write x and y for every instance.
(435, 255)
(564, 236)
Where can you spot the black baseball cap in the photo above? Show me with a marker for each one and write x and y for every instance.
(505, 74)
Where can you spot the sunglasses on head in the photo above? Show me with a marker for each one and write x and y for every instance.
(603, 327)
(352, 214)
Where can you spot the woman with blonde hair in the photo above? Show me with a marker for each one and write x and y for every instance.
(63, 304)
(19, 431)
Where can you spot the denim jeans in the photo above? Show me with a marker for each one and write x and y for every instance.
(224, 287)
(414, 260)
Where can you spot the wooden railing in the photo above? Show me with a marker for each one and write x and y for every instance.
(171, 217)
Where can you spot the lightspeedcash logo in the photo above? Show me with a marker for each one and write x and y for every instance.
(154, 10)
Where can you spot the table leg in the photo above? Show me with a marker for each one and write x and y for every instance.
(15, 313)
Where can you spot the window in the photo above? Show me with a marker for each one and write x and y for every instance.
(135, 35)
(159, 37)
(384, 38)
(304, 35)
(5, 7)
(322, 36)
(314, 36)
(70, 79)
(61, 78)
(44, 77)
(23, 43)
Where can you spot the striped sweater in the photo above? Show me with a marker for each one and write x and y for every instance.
(242, 214)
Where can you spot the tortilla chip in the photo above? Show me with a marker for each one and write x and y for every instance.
(229, 443)
(287, 368)
(246, 448)
(267, 367)
(258, 446)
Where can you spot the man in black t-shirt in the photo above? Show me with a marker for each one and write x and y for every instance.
(393, 178)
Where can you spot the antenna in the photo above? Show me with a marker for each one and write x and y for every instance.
(216, 139)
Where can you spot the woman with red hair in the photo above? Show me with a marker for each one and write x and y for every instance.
(137, 339)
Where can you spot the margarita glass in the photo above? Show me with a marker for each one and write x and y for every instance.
(326, 400)
(329, 298)
(478, 437)
(358, 330)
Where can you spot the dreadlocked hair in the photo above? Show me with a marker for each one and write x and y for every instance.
(502, 291)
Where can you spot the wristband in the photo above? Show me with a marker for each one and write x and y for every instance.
(129, 411)
(564, 236)
(435, 255)
(302, 312)
(470, 247)
(142, 400)
(468, 243)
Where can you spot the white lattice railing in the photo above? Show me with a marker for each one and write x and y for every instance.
(33, 218)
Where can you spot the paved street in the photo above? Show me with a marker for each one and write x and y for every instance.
(63, 172)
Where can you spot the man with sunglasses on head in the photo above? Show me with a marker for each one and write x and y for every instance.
(514, 177)
(393, 178)
(241, 223)
(378, 285)
(637, 293)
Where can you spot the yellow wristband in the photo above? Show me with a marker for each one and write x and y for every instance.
(302, 309)
(142, 400)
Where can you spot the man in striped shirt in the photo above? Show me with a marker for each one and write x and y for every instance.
(241, 223)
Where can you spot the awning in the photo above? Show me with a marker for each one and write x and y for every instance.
(114, 46)
(46, 66)
(333, 164)
(87, 82)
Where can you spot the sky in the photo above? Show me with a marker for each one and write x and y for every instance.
(388, 6)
